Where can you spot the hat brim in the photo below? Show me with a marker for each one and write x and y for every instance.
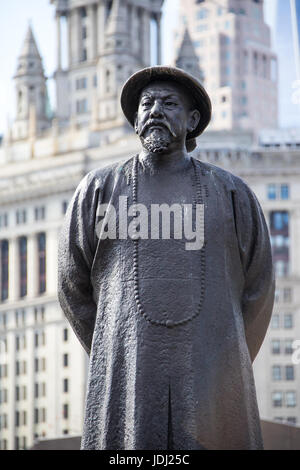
(137, 82)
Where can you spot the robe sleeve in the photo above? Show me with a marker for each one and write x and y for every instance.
(75, 258)
(256, 257)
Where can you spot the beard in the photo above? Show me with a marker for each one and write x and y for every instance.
(156, 142)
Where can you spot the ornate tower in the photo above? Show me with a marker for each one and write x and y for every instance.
(187, 58)
(31, 91)
(107, 40)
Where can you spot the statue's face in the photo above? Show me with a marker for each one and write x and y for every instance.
(164, 117)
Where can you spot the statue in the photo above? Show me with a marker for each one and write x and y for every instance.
(172, 323)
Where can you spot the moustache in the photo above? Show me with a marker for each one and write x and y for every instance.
(158, 123)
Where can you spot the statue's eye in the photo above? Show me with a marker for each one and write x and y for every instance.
(146, 103)
(170, 103)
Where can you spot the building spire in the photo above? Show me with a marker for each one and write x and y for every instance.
(29, 48)
(31, 90)
(117, 27)
(187, 58)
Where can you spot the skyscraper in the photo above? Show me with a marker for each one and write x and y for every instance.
(233, 43)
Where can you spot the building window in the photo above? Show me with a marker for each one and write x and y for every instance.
(271, 191)
(276, 191)
(84, 32)
(81, 83)
(3, 371)
(279, 220)
(288, 346)
(3, 395)
(83, 55)
(66, 385)
(39, 213)
(277, 399)
(81, 106)
(107, 81)
(288, 321)
(36, 416)
(65, 360)
(287, 295)
(290, 399)
(285, 191)
(289, 373)
(276, 373)
(292, 420)
(202, 14)
(255, 63)
(82, 12)
(39, 314)
(21, 216)
(275, 346)
(275, 321)
(4, 270)
(42, 262)
(65, 334)
(23, 266)
(65, 411)
(3, 220)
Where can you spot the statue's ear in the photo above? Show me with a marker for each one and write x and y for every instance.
(193, 121)
(136, 123)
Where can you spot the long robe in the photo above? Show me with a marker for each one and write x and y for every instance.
(189, 386)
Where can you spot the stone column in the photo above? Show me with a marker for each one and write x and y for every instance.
(69, 28)
(58, 39)
(92, 15)
(32, 256)
(101, 26)
(158, 37)
(13, 270)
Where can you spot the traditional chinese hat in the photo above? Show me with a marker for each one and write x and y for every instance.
(138, 81)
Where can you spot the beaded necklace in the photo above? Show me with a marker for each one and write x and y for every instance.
(198, 199)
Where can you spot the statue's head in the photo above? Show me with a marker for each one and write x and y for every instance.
(167, 107)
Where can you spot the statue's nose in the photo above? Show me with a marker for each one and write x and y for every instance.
(156, 110)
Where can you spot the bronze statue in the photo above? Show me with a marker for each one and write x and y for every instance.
(172, 324)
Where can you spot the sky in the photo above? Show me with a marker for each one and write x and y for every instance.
(14, 19)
